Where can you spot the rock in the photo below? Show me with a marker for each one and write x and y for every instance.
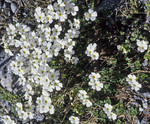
(108, 5)
(14, 7)
(5, 71)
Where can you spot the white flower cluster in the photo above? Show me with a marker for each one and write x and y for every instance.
(108, 110)
(90, 51)
(38, 47)
(44, 103)
(59, 11)
(142, 45)
(90, 15)
(84, 97)
(7, 120)
(24, 114)
(131, 79)
(28, 111)
(74, 120)
(94, 81)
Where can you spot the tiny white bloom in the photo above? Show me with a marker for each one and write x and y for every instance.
(87, 102)
(142, 45)
(82, 94)
(136, 86)
(90, 15)
(107, 108)
(112, 116)
(131, 78)
(74, 120)
(51, 109)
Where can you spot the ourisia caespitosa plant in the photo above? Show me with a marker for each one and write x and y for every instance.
(56, 35)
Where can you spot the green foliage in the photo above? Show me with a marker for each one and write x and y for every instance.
(113, 65)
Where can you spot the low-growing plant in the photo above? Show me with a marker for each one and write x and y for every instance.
(76, 66)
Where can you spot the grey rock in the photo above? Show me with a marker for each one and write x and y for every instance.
(143, 1)
(8, 1)
(144, 120)
(14, 7)
(136, 121)
(148, 20)
(108, 5)
(147, 94)
(5, 71)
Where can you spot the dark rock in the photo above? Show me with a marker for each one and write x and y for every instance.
(108, 5)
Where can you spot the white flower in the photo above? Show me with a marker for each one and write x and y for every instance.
(43, 108)
(39, 100)
(82, 94)
(29, 89)
(46, 100)
(7, 120)
(39, 15)
(7, 50)
(49, 87)
(142, 45)
(30, 115)
(94, 76)
(76, 23)
(59, 5)
(54, 51)
(11, 29)
(69, 50)
(23, 29)
(136, 86)
(15, 42)
(38, 79)
(19, 106)
(17, 26)
(55, 15)
(74, 60)
(95, 56)
(74, 120)
(62, 16)
(49, 19)
(29, 107)
(131, 78)
(90, 49)
(37, 53)
(87, 102)
(45, 94)
(69, 35)
(28, 97)
(19, 71)
(25, 52)
(23, 115)
(54, 75)
(112, 116)
(90, 15)
(57, 29)
(50, 8)
(71, 8)
(14, 65)
(66, 2)
(97, 85)
(57, 84)
(22, 81)
(51, 109)
(107, 108)
(61, 44)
